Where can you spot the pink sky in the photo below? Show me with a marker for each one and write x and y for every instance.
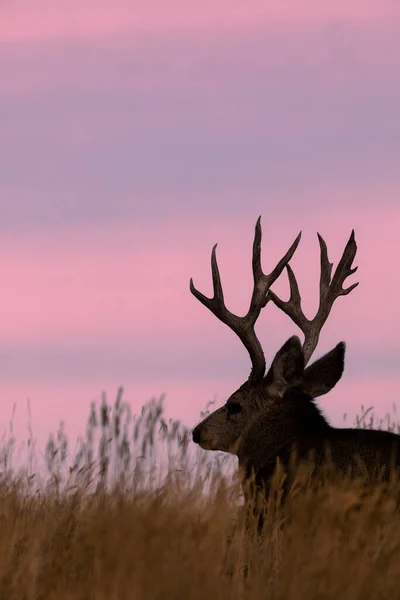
(135, 136)
(41, 20)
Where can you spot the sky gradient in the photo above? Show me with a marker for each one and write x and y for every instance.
(135, 135)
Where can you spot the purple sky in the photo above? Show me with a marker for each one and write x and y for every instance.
(134, 137)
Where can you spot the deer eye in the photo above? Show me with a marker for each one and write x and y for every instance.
(234, 408)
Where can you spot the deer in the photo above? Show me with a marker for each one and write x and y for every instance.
(272, 418)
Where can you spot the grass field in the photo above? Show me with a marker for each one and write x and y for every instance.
(138, 515)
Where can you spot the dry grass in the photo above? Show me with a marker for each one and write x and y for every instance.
(109, 527)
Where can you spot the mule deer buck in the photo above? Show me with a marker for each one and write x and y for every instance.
(273, 418)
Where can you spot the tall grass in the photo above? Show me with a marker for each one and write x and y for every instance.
(136, 512)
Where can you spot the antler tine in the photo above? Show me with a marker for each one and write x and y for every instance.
(329, 290)
(216, 303)
(263, 282)
(244, 326)
(343, 269)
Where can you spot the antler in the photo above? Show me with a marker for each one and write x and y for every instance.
(329, 290)
(244, 326)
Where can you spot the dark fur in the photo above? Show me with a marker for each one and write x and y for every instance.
(294, 430)
(299, 429)
(279, 422)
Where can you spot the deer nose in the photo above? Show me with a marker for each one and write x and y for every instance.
(196, 435)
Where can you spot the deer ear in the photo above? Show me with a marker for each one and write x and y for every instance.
(287, 367)
(324, 373)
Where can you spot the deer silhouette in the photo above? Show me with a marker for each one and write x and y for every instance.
(274, 418)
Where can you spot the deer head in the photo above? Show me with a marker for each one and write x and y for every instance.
(225, 428)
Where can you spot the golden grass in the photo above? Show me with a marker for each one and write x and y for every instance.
(144, 538)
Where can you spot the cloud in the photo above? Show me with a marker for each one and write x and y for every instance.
(124, 128)
(39, 20)
(116, 300)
